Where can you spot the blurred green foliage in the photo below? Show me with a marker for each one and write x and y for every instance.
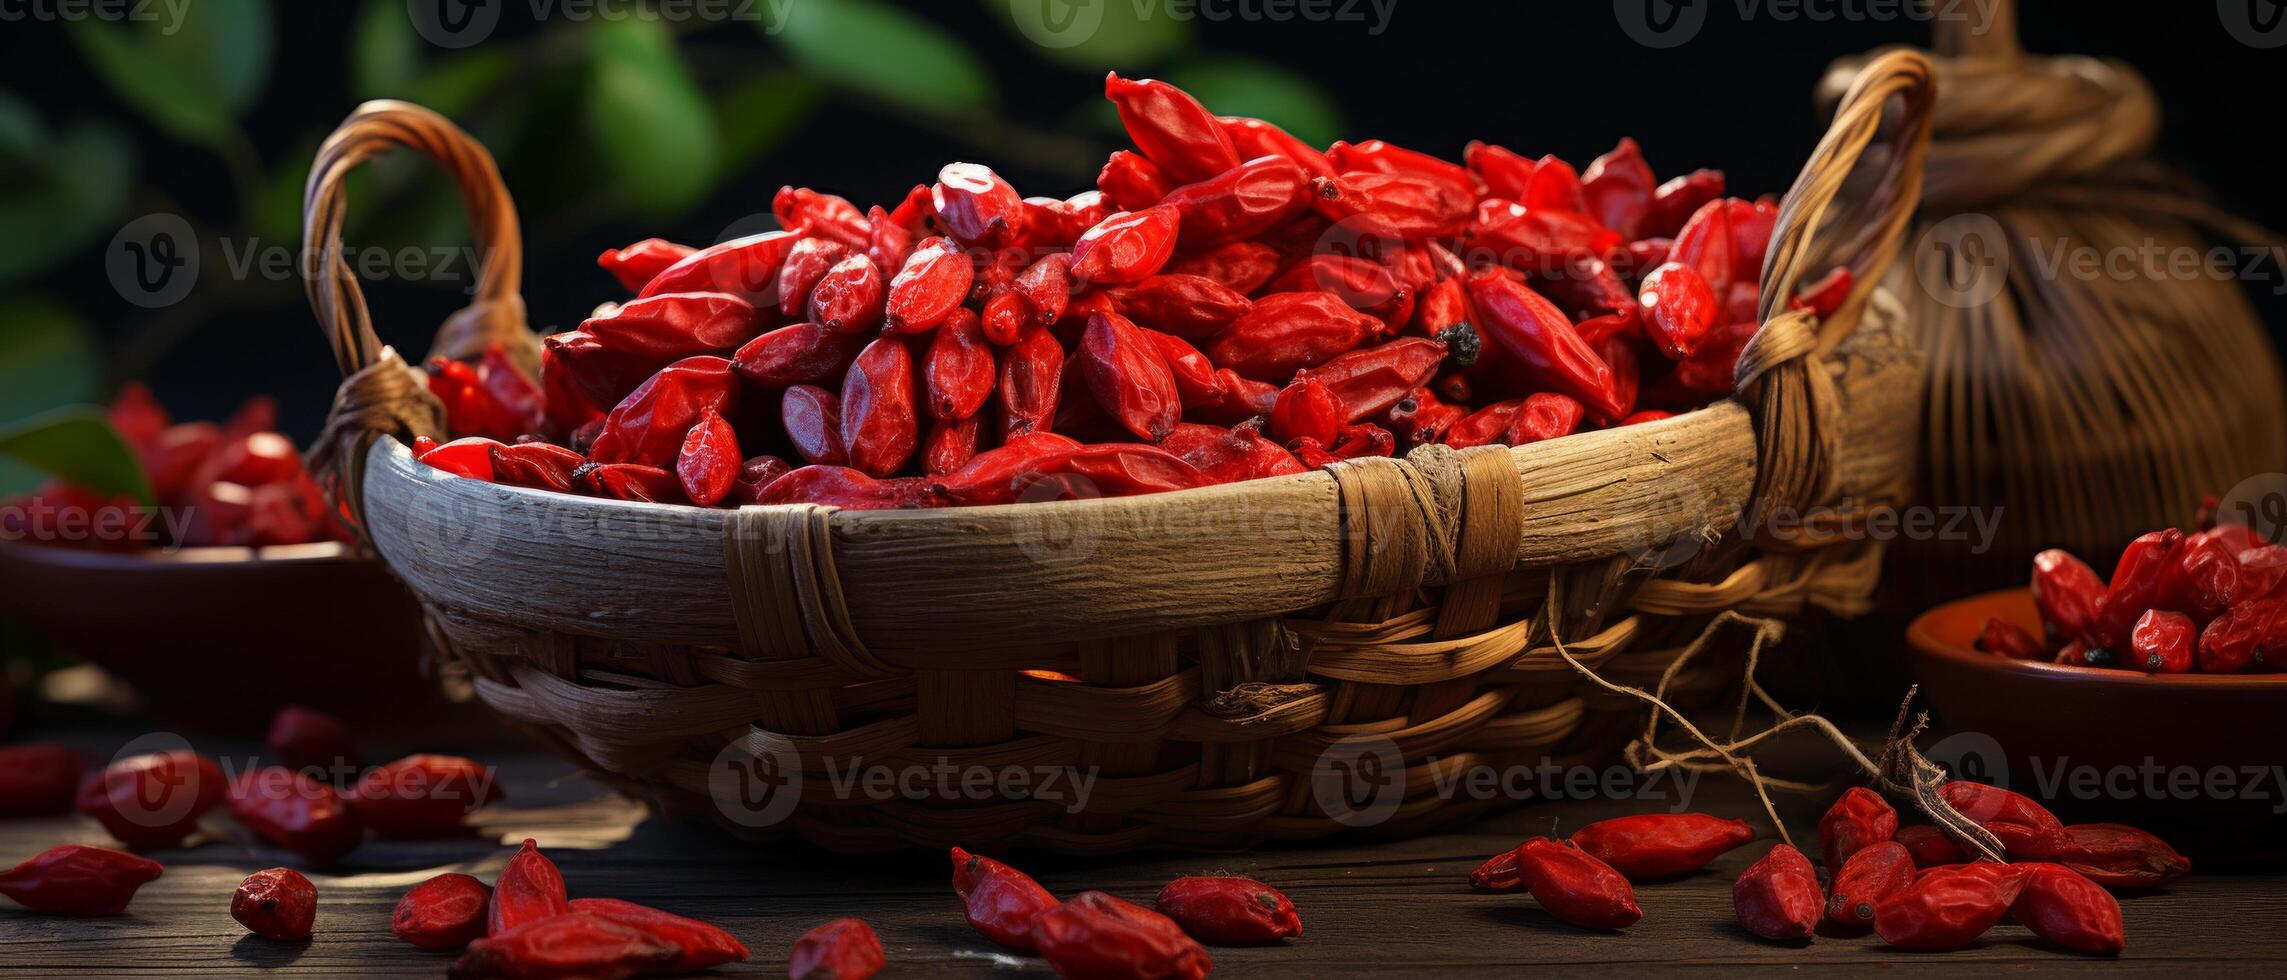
(660, 113)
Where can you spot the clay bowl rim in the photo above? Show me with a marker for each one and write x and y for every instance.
(1927, 636)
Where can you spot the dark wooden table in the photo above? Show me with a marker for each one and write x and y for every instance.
(1369, 907)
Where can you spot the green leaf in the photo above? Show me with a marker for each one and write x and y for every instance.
(21, 132)
(384, 53)
(649, 116)
(75, 186)
(1096, 34)
(887, 54)
(153, 83)
(191, 77)
(276, 212)
(453, 83)
(51, 362)
(79, 446)
(1246, 87)
(227, 45)
(758, 111)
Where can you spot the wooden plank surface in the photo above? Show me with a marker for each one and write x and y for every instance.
(1369, 907)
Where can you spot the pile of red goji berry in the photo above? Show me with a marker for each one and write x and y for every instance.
(1229, 303)
(1914, 886)
(2213, 601)
(237, 482)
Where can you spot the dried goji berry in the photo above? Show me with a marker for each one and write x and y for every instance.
(155, 800)
(306, 738)
(277, 903)
(879, 423)
(1930, 846)
(975, 205)
(1945, 908)
(78, 880)
(1229, 910)
(571, 944)
(1874, 873)
(1656, 845)
(843, 949)
(420, 795)
(444, 912)
(1127, 247)
(2070, 911)
(1096, 935)
(1171, 128)
(1575, 886)
(636, 265)
(1000, 901)
(928, 288)
(529, 890)
(743, 267)
(295, 812)
(1860, 818)
(698, 945)
(1778, 896)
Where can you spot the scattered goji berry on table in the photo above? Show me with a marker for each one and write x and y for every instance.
(422, 794)
(1944, 908)
(278, 903)
(1095, 935)
(529, 890)
(1000, 901)
(76, 879)
(843, 949)
(1873, 873)
(2069, 910)
(568, 944)
(699, 945)
(306, 738)
(1574, 886)
(1778, 896)
(1860, 818)
(1229, 910)
(1659, 845)
(444, 912)
(293, 811)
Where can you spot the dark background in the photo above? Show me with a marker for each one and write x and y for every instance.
(1538, 77)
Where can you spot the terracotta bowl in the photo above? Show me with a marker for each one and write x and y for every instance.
(2194, 757)
(216, 638)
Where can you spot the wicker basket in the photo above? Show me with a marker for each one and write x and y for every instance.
(1202, 653)
(2085, 409)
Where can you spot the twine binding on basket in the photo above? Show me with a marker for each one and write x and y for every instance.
(1201, 653)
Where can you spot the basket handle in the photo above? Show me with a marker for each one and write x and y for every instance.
(1779, 373)
(374, 129)
(380, 394)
